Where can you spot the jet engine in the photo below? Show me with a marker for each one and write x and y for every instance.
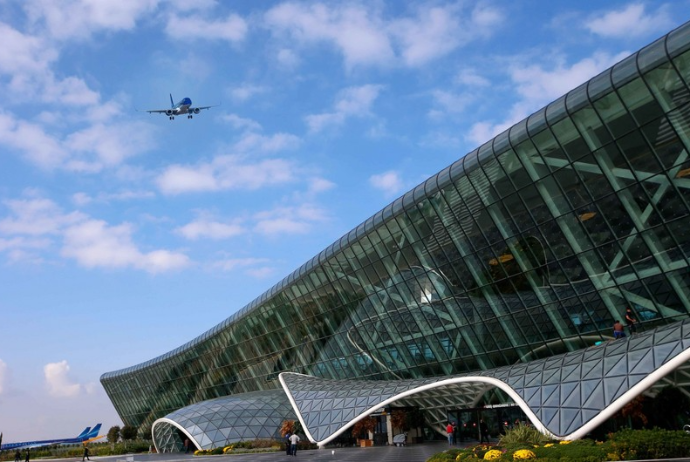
(196, 110)
(169, 112)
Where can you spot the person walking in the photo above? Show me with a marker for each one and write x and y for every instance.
(630, 321)
(294, 439)
(17, 456)
(86, 454)
(27, 458)
(449, 431)
(483, 432)
(288, 444)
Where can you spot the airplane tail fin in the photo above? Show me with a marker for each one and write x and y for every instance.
(84, 433)
(94, 432)
(172, 103)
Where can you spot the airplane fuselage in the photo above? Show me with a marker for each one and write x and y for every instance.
(183, 107)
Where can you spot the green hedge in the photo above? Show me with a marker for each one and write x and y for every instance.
(622, 445)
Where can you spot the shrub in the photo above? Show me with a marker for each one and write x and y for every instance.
(648, 444)
(523, 434)
(441, 457)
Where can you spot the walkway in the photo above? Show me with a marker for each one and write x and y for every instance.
(411, 453)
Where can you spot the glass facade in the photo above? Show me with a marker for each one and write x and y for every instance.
(528, 247)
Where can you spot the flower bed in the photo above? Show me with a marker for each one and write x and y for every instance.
(623, 445)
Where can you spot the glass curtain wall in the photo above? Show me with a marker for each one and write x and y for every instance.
(530, 246)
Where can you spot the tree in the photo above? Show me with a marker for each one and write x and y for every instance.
(114, 434)
(399, 419)
(128, 432)
(366, 424)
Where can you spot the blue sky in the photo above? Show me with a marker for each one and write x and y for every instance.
(124, 235)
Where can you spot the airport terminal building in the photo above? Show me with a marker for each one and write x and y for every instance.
(496, 280)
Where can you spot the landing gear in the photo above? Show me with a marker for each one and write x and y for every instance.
(172, 117)
(190, 116)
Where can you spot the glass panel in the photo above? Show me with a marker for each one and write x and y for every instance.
(614, 115)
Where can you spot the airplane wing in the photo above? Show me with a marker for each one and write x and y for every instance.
(157, 111)
(201, 107)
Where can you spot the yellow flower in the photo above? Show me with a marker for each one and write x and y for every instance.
(548, 445)
(523, 454)
(493, 454)
(565, 442)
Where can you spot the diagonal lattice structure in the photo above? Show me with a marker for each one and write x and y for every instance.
(218, 422)
(565, 396)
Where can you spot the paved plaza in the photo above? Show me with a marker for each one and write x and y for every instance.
(411, 453)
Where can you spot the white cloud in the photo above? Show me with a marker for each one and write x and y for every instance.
(471, 78)
(4, 376)
(254, 143)
(191, 5)
(365, 38)
(287, 58)
(446, 102)
(246, 91)
(91, 149)
(630, 21)
(537, 87)
(231, 264)
(437, 31)
(289, 220)
(82, 199)
(352, 102)
(107, 145)
(37, 217)
(317, 185)
(211, 229)
(355, 32)
(37, 146)
(232, 28)
(78, 19)
(58, 382)
(388, 182)
(71, 91)
(226, 172)
(24, 54)
(241, 123)
(93, 243)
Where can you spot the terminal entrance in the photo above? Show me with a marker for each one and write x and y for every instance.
(498, 418)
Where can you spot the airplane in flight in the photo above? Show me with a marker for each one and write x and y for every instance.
(183, 107)
(89, 434)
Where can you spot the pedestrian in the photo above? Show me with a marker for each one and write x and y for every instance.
(288, 445)
(294, 439)
(630, 321)
(28, 455)
(483, 432)
(618, 330)
(86, 454)
(186, 445)
(17, 456)
(449, 431)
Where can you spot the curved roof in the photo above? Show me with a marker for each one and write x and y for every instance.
(219, 422)
(565, 396)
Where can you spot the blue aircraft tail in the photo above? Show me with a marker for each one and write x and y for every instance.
(84, 433)
(172, 103)
(94, 432)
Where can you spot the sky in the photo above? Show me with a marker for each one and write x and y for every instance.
(124, 235)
